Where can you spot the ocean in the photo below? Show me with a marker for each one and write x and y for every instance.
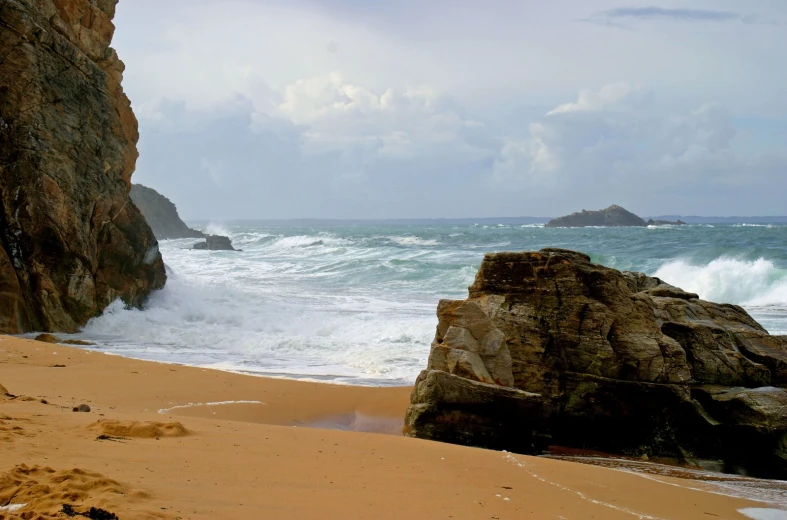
(355, 302)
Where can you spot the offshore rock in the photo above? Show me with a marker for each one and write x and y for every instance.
(215, 243)
(71, 241)
(550, 348)
(613, 216)
(161, 214)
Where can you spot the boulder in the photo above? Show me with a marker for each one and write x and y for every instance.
(215, 243)
(613, 216)
(71, 240)
(161, 214)
(607, 360)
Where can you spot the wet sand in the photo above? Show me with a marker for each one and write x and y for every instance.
(169, 441)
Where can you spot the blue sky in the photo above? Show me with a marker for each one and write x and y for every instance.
(395, 109)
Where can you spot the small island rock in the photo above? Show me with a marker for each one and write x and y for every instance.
(613, 216)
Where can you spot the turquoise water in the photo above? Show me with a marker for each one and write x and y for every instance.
(355, 302)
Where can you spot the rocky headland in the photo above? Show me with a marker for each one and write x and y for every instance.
(71, 240)
(161, 214)
(613, 216)
(552, 349)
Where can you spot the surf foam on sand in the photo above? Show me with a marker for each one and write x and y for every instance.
(764, 514)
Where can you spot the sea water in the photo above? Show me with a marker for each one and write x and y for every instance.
(355, 302)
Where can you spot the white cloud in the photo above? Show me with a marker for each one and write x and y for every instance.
(390, 105)
(609, 97)
(619, 136)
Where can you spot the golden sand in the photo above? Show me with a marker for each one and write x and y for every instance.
(169, 441)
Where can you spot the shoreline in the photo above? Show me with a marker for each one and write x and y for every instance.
(210, 456)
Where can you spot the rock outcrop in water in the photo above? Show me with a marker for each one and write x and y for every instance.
(215, 243)
(161, 214)
(613, 216)
(550, 348)
(71, 241)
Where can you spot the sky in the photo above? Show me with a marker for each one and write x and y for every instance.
(458, 108)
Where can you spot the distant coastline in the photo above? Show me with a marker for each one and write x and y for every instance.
(490, 221)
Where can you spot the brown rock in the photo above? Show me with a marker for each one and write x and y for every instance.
(454, 409)
(81, 408)
(47, 338)
(622, 363)
(71, 241)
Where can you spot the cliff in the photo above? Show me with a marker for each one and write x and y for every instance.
(161, 214)
(613, 216)
(550, 348)
(71, 240)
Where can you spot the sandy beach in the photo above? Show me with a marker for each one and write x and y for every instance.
(171, 441)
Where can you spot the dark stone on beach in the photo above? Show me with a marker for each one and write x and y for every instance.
(652, 222)
(51, 338)
(215, 243)
(81, 408)
(93, 513)
(613, 216)
(620, 362)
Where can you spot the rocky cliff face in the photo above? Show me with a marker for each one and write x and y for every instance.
(613, 216)
(71, 241)
(550, 348)
(161, 214)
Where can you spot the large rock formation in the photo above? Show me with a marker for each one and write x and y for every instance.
(550, 348)
(71, 240)
(613, 216)
(161, 214)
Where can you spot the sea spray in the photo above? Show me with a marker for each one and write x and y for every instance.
(356, 303)
(754, 283)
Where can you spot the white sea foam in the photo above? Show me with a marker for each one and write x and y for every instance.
(354, 304)
(214, 228)
(10, 508)
(413, 241)
(764, 514)
(743, 282)
(164, 411)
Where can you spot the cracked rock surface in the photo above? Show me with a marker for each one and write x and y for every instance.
(71, 240)
(550, 348)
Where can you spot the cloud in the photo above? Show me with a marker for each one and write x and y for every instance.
(660, 13)
(618, 139)
(324, 147)
(615, 17)
(408, 116)
(334, 149)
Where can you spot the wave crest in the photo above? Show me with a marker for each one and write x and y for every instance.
(756, 283)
